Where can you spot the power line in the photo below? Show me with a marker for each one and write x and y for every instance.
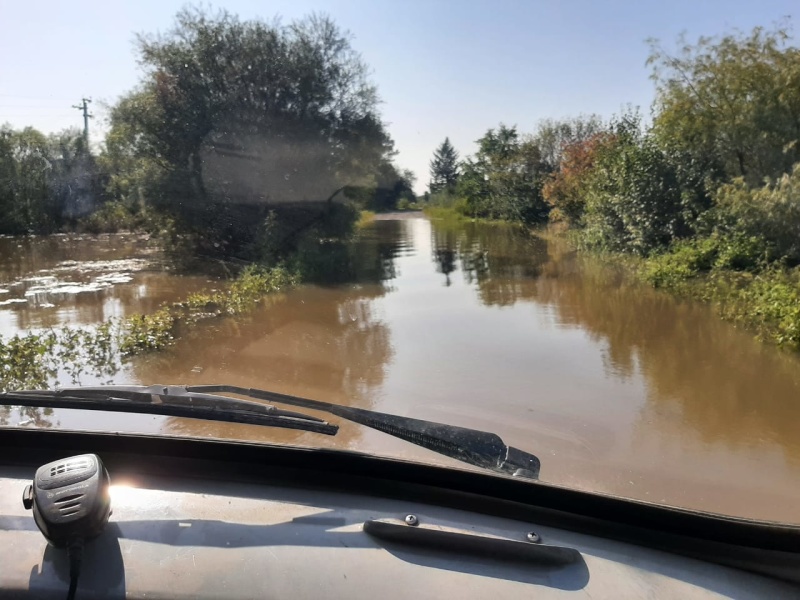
(32, 106)
(27, 97)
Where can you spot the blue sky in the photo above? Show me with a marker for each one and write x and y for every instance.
(443, 68)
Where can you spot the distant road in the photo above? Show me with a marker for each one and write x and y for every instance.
(397, 215)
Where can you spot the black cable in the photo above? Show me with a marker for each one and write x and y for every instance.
(75, 553)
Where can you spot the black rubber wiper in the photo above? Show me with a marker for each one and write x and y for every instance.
(480, 448)
(170, 401)
(472, 446)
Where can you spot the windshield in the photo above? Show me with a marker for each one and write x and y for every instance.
(574, 226)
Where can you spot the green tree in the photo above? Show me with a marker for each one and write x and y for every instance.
(553, 136)
(388, 186)
(234, 119)
(444, 168)
(565, 189)
(633, 197)
(730, 105)
(769, 215)
(42, 179)
(505, 177)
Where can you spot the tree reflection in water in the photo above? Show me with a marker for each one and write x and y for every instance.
(728, 387)
(319, 341)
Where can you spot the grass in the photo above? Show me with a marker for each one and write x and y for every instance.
(766, 302)
(365, 218)
(158, 330)
(737, 277)
(35, 360)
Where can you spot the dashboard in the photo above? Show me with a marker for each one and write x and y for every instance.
(173, 536)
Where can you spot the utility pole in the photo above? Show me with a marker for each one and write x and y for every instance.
(86, 116)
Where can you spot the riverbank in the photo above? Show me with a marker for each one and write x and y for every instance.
(765, 301)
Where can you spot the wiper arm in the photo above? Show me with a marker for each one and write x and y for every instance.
(472, 446)
(171, 401)
(479, 448)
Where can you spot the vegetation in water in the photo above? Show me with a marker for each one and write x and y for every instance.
(156, 331)
(38, 360)
(706, 192)
(216, 89)
(365, 218)
(706, 199)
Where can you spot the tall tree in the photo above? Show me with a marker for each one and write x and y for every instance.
(731, 103)
(444, 168)
(42, 178)
(553, 136)
(505, 177)
(235, 117)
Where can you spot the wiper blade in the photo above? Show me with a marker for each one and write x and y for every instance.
(479, 448)
(472, 446)
(171, 401)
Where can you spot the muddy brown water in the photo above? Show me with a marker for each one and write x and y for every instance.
(616, 387)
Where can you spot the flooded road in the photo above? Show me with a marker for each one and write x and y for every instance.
(616, 387)
(50, 281)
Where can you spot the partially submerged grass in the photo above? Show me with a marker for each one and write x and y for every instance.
(145, 333)
(736, 276)
(365, 218)
(35, 360)
(767, 302)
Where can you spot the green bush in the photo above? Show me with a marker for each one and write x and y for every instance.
(633, 200)
(111, 217)
(740, 252)
(684, 260)
(768, 215)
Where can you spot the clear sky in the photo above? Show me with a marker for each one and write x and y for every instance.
(443, 68)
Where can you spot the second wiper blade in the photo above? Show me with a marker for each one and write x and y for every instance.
(472, 446)
(170, 401)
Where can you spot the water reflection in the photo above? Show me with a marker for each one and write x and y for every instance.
(48, 281)
(727, 385)
(25, 415)
(369, 259)
(716, 406)
(496, 257)
(322, 342)
(618, 388)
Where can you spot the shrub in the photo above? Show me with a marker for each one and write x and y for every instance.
(768, 302)
(686, 259)
(633, 200)
(565, 190)
(770, 214)
(683, 261)
(111, 217)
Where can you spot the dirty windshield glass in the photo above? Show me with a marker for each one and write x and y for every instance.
(572, 225)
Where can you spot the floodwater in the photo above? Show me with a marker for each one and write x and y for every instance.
(616, 387)
(50, 281)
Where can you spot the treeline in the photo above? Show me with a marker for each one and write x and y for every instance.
(251, 137)
(710, 185)
(46, 181)
(726, 120)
